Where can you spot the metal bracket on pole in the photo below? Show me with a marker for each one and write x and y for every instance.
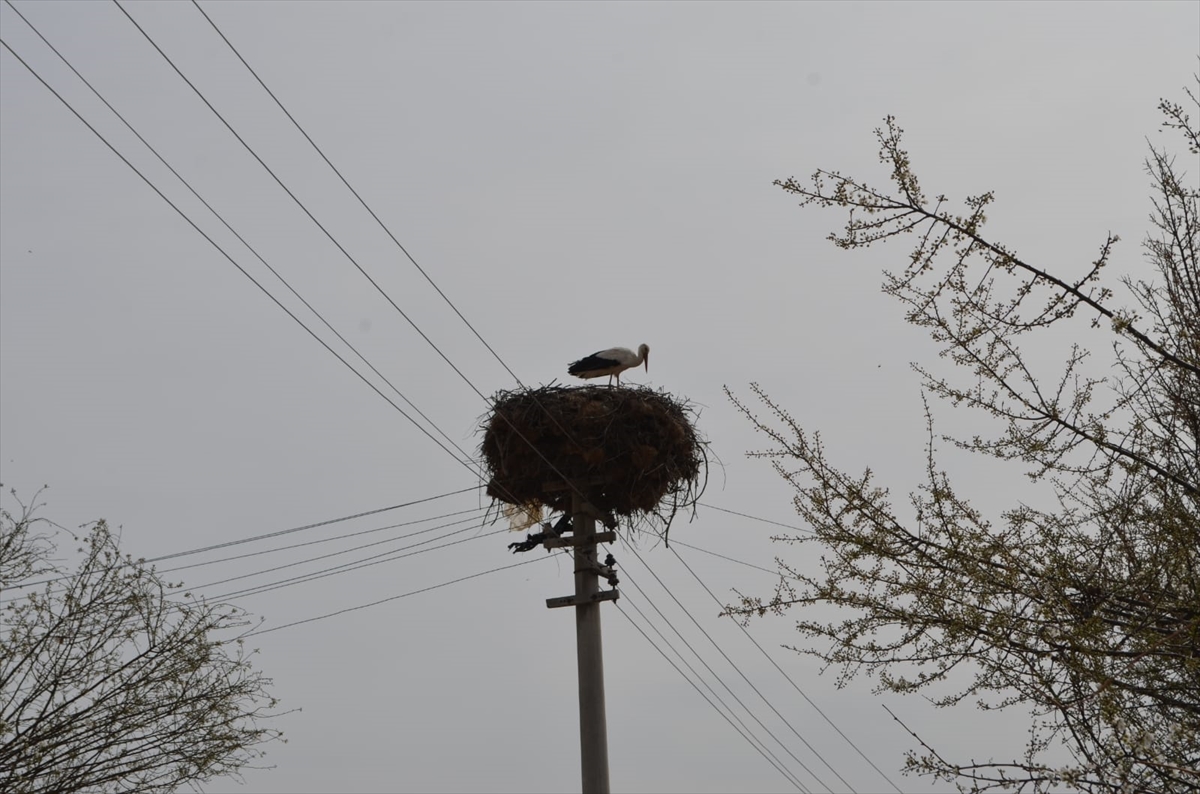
(599, 537)
(574, 600)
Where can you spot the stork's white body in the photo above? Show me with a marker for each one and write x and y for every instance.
(611, 362)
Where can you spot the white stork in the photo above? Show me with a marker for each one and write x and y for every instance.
(610, 362)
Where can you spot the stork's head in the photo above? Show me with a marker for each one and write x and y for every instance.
(644, 353)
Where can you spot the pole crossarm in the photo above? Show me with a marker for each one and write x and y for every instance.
(574, 600)
(577, 540)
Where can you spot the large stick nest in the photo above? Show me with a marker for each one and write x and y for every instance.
(632, 452)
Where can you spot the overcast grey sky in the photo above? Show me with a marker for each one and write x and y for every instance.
(574, 176)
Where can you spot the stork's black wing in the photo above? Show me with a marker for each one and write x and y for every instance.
(590, 363)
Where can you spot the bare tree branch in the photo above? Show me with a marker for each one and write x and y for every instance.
(1086, 615)
(105, 685)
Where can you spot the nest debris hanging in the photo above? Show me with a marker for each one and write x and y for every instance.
(632, 451)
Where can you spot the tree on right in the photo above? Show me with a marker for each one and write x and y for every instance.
(1085, 610)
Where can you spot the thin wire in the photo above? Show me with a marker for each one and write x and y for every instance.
(362, 201)
(228, 257)
(234, 232)
(743, 726)
(787, 776)
(225, 254)
(739, 672)
(339, 246)
(723, 557)
(754, 518)
(346, 568)
(320, 540)
(404, 250)
(340, 552)
(392, 598)
(466, 459)
(232, 261)
(295, 546)
(389, 233)
(625, 575)
(294, 198)
(276, 534)
(789, 678)
(327, 522)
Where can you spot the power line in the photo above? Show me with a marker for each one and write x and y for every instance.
(381, 224)
(323, 540)
(740, 673)
(389, 233)
(377, 559)
(181, 589)
(366, 562)
(789, 678)
(765, 653)
(224, 253)
(748, 733)
(241, 239)
(625, 575)
(218, 247)
(277, 533)
(327, 522)
(466, 459)
(392, 598)
(723, 557)
(333, 240)
(787, 775)
(302, 545)
(362, 201)
(234, 232)
(296, 199)
(754, 518)
(344, 551)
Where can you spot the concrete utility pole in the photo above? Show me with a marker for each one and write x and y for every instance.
(593, 724)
